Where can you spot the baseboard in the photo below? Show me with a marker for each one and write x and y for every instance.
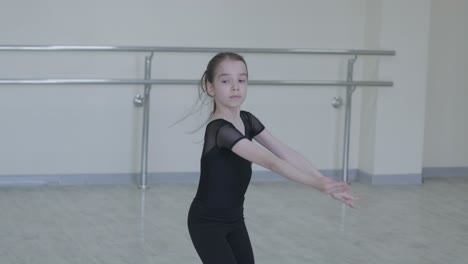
(134, 179)
(389, 179)
(442, 172)
(257, 176)
(68, 179)
(192, 177)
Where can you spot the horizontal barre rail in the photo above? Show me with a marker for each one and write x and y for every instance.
(189, 82)
(198, 49)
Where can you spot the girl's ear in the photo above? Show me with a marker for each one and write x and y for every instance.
(210, 89)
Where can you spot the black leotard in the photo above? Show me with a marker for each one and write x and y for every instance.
(225, 176)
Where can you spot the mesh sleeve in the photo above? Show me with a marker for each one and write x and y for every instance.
(256, 127)
(228, 136)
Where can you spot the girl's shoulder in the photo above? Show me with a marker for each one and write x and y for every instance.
(214, 125)
(217, 122)
(246, 115)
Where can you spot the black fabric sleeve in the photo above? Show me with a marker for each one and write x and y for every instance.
(228, 136)
(256, 127)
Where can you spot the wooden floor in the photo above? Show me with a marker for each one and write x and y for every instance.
(288, 224)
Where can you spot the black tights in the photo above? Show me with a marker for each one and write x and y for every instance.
(221, 243)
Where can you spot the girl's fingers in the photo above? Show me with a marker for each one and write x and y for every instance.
(346, 198)
(337, 187)
(349, 200)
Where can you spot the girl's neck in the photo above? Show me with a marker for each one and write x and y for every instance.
(231, 115)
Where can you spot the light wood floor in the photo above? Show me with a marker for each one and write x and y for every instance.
(288, 224)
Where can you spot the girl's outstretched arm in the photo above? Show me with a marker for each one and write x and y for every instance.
(265, 158)
(286, 153)
(297, 160)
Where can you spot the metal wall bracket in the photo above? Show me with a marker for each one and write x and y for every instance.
(337, 102)
(138, 100)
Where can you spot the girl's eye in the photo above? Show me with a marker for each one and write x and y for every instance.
(242, 81)
(224, 81)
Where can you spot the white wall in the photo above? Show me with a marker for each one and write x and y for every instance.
(96, 129)
(445, 143)
(76, 129)
(401, 114)
(369, 96)
(393, 119)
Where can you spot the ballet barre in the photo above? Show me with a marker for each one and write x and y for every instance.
(198, 50)
(147, 82)
(190, 82)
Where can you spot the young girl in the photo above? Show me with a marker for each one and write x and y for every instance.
(215, 219)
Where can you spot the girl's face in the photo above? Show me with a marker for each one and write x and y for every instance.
(229, 87)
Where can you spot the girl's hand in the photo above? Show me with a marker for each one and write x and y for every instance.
(330, 186)
(345, 198)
